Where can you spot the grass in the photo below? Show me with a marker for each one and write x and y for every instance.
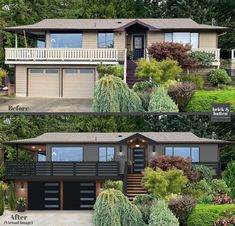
(202, 99)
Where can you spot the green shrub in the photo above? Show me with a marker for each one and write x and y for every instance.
(203, 59)
(163, 183)
(182, 206)
(160, 101)
(181, 93)
(113, 95)
(204, 172)
(12, 196)
(161, 215)
(197, 80)
(118, 185)
(1, 201)
(206, 199)
(159, 72)
(144, 204)
(218, 77)
(108, 69)
(229, 177)
(219, 187)
(112, 206)
(206, 215)
(144, 91)
(2, 171)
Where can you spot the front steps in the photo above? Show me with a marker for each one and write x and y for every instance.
(131, 79)
(134, 186)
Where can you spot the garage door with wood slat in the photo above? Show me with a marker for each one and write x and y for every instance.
(43, 83)
(78, 83)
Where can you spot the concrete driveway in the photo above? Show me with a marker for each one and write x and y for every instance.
(48, 218)
(29, 104)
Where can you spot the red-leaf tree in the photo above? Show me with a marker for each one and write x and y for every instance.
(174, 51)
(174, 162)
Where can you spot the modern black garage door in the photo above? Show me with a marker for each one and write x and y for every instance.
(79, 195)
(43, 195)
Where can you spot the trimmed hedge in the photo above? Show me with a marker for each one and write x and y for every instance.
(202, 100)
(206, 215)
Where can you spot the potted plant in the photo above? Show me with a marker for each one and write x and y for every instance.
(130, 55)
(21, 204)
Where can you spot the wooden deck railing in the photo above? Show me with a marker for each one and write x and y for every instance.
(61, 54)
(65, 169)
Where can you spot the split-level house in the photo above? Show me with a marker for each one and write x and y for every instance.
(60, 56)
(69, 169)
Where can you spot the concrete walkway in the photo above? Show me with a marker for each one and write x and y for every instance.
(47, 218)
(27, 104)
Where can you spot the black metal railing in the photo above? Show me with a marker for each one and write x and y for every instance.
(77, 169)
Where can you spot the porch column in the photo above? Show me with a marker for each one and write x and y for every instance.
(16, 40)
(47, 40)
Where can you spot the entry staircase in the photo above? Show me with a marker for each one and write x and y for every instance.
(134, 186)
(131, 79)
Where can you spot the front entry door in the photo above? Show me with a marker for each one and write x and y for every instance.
(138, 46)
(138, 160)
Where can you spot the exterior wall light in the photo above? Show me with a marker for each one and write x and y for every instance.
(22, 185)
(154, 150)
(137, 145)
(120, 149)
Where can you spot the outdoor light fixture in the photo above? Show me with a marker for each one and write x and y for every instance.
(137, 145)
(22, 185)
(120, 149)
(39, 149)
(33, 147)
(154, 149)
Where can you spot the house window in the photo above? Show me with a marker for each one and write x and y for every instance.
(183, 37)
(106, 154)
(105, 40)
(68, 154)
(185, 152)
(68, 40)
(41, 157)
(41, 43)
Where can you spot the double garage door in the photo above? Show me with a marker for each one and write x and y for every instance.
(68, 83)
(47, 195)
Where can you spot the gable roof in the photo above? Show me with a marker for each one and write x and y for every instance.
(116, 137)
(115, 24)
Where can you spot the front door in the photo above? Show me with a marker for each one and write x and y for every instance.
(138, 160)
(138, 46)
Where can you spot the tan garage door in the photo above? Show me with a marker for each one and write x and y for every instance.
(78, 83)
(43, 83)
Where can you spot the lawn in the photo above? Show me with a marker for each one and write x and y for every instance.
(202, 99)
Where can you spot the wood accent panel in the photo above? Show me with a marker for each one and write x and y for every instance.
(22, 192)
(98, 188)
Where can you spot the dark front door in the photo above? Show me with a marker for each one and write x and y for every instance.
(138, 46)
(43, 195)
(138, 160)
(79, 195)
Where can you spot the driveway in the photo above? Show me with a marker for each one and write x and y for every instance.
(29, 104)
(47, 218)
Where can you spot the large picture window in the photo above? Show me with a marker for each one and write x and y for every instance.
(183, 37)
(70, 154)
(106, 154)
(106, 40)
(68, 40)
(185, 152)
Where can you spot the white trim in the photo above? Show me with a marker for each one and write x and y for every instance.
(60, 62)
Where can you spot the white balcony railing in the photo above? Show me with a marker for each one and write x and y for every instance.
(60, 54)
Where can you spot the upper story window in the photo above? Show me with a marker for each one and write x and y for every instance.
(41, 157)
(183, 37)
(185, 152)
(70, 154)
(67, 40)
(105, 40)
(41, 43)
(106, 154)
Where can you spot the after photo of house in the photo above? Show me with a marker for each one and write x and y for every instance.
(93, 164)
